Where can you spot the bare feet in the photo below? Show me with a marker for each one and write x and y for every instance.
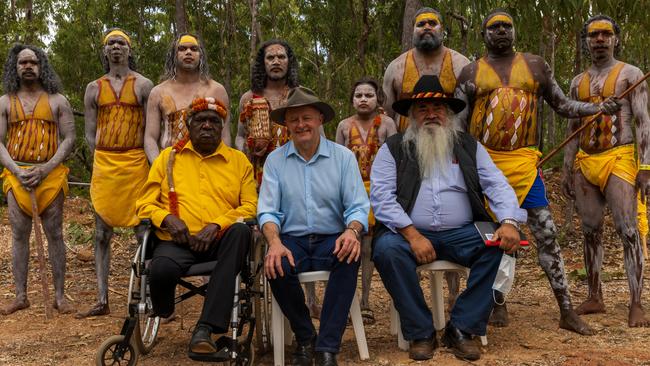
(63, 307)
(569, 320)
(314, 310)
(97, 310)
(17, 304)
(499, 316)
(591, 306)
(637, 317)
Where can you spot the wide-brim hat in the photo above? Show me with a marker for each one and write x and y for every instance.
(428, 88)
(301, 97)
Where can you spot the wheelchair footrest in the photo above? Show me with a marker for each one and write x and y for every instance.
(224, 353)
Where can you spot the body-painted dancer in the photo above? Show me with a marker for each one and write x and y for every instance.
(38, 125)
(187, 76)
(115, 107)
(600, 168)
(363, 133)
(502, 91)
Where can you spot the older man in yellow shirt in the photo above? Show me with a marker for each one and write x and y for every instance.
(196, 192)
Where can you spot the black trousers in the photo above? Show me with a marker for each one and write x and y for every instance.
(170, 261)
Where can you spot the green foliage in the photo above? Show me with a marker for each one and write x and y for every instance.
(327, 36)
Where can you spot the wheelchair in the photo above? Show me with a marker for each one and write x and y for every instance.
(250, 318)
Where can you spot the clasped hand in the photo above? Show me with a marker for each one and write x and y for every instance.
(181, 234)
(31, 177)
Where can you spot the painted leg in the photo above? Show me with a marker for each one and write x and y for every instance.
(590, 204)
(52, 219)
(550, 259)
(367, 268)
(622, 198)
(21, 228)
(312, 300)
(103, 234)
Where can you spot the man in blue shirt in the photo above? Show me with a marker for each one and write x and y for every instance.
(313, 209)
(427, 188)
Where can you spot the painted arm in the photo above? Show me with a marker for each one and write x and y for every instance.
(90, 115)
(152, 126)
(340, 134)
(221, 94)
(389, 91)
(560, 103)
(570, 151)
(466, 91)
(242, 131)
(144, 89)
(639, 103)
(5, 158)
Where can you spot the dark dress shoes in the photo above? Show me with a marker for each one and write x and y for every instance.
(326, 359)
(422, 349)
(201, 341)
(462, 345)
(303, 355)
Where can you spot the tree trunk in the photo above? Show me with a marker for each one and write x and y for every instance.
(410, 8)
(255, 32)
(365, 33)
(180, 17)
(29, 34)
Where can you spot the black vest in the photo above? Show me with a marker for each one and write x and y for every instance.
(409, 180)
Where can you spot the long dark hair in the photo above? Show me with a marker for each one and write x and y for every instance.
(258, 74)
(171, 60)
(47, 76)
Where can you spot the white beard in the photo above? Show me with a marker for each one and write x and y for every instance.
(434, 146)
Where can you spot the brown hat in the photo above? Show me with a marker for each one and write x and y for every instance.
(300, 97)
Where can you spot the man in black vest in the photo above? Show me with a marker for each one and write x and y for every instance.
(428, 187)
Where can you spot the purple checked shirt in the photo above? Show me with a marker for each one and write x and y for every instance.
(442, 202)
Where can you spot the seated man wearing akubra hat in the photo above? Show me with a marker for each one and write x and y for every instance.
(428, 186)
(313, 209)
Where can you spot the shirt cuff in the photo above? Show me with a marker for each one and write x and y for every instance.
(399, 222)
(520, 215)
(362, 219)
(158, 216)
(266, 217)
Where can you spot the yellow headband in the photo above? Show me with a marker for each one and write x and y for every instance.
(117, 32)
(188, 39)
(427, 16)
(498, 18)
(600, 25)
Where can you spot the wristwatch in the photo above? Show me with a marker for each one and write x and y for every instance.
(512, 222)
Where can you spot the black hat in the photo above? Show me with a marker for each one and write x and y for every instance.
(428, 88)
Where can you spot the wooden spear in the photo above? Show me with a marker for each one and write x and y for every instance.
(588, 123)
(41, 254)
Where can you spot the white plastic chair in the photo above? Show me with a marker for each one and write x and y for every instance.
(437, 269)
(278, 321)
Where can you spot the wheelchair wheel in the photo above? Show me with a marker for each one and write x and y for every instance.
(112, 353)
(146, 328)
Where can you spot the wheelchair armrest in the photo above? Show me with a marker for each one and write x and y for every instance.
(250, 221)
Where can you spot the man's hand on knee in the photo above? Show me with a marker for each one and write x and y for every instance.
(273, 260)
(348, 246)
(177, 229)
(421, 247)
(204, 238)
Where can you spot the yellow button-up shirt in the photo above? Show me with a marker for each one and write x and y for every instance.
(214, 189)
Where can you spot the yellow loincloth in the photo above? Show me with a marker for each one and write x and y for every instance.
(46, 192)
(115, 185)
(371, 215)
(619, 161)
(519, 167)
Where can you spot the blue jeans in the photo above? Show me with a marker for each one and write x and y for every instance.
(314, 253)
(396, 265)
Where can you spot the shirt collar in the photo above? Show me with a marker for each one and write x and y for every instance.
(222, 150)
(323, 149)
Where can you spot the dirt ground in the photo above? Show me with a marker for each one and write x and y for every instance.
(532, 338)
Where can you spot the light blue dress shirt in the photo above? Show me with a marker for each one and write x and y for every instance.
(319, 196)
(442, 202)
